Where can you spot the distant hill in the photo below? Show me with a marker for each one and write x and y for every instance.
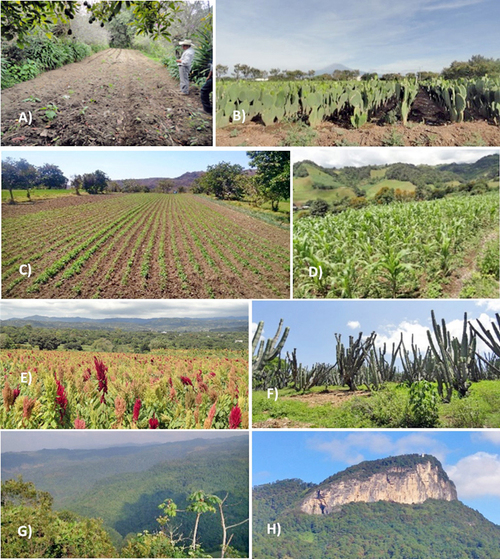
(434, 529)
(311, 181)
(332, 67)
(186, 180)
(163, 324)
(124, 485)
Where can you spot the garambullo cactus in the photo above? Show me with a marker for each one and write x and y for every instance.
(270, 349)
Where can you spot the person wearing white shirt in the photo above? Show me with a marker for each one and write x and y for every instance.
(184, 63)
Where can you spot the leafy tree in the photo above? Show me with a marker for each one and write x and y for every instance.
(221, 71)
(477, 67)
(76, 182)
(384, 196)
(20, 19)
(369, 76)
(319, 207)
(200, 504)
(96, 182)
(345, 74)
(51, 176)
(221, 180)
(165, 185)
(18, 175)
(273, 175)
(57, 534)
(122, 30)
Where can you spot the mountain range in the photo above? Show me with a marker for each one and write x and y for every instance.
(163, 324)
(124, 485)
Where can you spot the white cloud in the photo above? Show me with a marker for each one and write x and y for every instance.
(410, 330)
(476, 475)
(354, 324)
(355, 447)
(491, 304)
(452, 5)
(105, 308)
(358, 157)
(490, 436)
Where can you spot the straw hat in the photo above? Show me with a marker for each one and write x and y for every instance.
(186, 42)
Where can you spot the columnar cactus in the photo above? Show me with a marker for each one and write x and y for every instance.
(271, 349)
(350, 360)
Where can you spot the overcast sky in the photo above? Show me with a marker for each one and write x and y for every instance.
(21, 441)
(366, 35)
(125, 164)
(471, 459)
(358, 157)
(313, 324)
(105, 308)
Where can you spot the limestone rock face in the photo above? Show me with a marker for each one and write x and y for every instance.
(407, 485)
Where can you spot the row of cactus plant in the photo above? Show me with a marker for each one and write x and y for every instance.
(317, 100)
(453, 363)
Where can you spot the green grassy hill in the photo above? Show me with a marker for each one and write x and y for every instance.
(311, 181)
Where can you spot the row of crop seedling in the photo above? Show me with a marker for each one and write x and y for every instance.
(319, 100)
(452, 363)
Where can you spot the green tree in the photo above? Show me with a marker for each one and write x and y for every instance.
(319, 207)
(51, 176)
(20, 19)
(200, 504)
(55, 534)
(273, 175)
(384, 196)
(18, 175)
(221, 71)
(221, 180)
(96, 182)
(76, 182)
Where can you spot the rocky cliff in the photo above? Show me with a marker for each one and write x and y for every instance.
(407, 479)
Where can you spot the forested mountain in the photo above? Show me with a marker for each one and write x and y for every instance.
(127, 335)
(124, 485)
(134, 324)
(434, 529)
(314, 181)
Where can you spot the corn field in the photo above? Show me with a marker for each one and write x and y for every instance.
(390, 251)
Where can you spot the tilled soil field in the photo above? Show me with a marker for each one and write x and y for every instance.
(116, 97)
(476, 133)
(135, 246)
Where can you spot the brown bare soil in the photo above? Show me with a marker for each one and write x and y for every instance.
(116, 265)
(282, 423)
(334, 398)
(115, 97)
(476, 133)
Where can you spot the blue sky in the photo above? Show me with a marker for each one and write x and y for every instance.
(367, 35)
(471, 458)
(313, 323)
(127, 164)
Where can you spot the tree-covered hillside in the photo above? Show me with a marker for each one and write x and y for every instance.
(432, 530)
(124, 486)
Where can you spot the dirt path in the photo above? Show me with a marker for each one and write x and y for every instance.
(477, 133)
(115, 97)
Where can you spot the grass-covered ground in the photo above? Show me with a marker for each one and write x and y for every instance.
(387, 407)
(37, 194)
